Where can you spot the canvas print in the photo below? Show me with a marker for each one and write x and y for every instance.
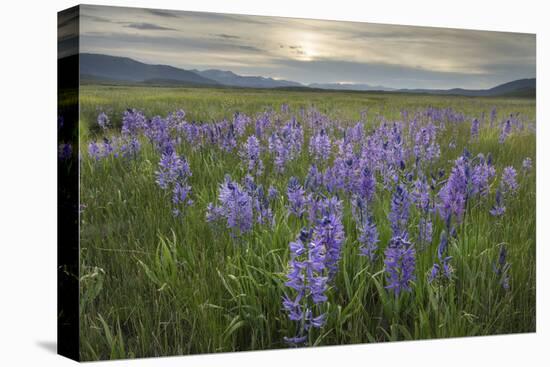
(235, 183)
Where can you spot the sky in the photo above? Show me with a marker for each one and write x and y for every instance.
(310, 51)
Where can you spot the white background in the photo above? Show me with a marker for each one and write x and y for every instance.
(28, 182)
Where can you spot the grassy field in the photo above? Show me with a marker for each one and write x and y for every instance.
(155, 284)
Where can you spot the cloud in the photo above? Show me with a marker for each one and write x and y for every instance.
(148, 27)
(162, 13)
(227, 36)
(94, 18)
(307, 50)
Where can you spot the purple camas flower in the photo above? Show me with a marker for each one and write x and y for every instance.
(262, 123)
(251, 154)
(103, 120)
(172, 175)
(498, 209)
(366, 185)
(172, 168)
(293, 137)
(482, 173)
(527, 164)
(426, 148)
(420, 194)
(296, 197)
(132, 121)
(236, 207)
(400, 263)
(454, 195)
(130, 148)
(502, 269)
(474, 131)
(314, 179)
(399, 211)
(272, 193)
(285, 108)
(214, 213)
(180, 195)
(158, 131)
(279, 150)
(506, 130)
(286, 143)
(307, 277)
(441, 269)
(425, 229)
(319, 146)
(328, 235)
(176, 118)
(508, 183)
(94, 151)
(368, 233)
(64, 151)
(240, 121)
(260, 202)
(228, 138)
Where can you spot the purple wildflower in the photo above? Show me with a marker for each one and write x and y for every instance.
(314, 179)
(172, 168)
(508, 181)
(65, 151)
(454, 194)
(319, 146)
(506, 130)
(173, 175)
(279, 150)
(498, 209)
(132, 122)
(482, 173)
(251, 154)
(130, 148)
(425, 229)
(420, 194)
(328, 234)
(94, 151)
(527, 164)
(272, 193)
(441, 269)
(307, 278)
(368, 233)
(240, 121)
(158, 131)
(474, 131)
(399, 211)
(103, 120)
(400, 263)
(260, 202)
(502, 269)
(296, 197)
(366, 185)
(236, 206)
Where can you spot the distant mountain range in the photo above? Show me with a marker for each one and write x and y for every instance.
(229, 78)
(105, 69)
(524, 87)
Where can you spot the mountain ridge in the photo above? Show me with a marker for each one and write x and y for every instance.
(105, 68)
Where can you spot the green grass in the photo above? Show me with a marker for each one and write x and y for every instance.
(154, 285)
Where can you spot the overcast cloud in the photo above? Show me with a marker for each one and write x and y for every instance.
(310, 51)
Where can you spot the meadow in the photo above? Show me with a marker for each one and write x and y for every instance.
(220, 220)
